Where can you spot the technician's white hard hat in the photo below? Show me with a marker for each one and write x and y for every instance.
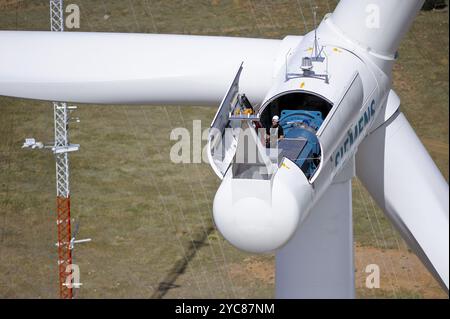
(275, 118)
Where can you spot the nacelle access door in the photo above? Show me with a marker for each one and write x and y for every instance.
(226, 126)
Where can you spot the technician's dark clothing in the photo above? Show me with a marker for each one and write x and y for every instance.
(271, 130)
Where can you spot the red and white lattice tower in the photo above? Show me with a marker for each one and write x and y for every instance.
(61, 149)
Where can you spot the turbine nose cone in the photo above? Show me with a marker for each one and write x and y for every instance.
(258, 216)
(251, 224)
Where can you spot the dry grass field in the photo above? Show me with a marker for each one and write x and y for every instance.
(150, 219)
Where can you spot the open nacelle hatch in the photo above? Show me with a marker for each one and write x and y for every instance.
(226, 127)
(301, 116)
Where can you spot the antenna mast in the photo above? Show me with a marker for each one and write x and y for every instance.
(316, 51)
(61, 149)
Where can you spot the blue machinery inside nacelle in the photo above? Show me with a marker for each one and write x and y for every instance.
(300, 143)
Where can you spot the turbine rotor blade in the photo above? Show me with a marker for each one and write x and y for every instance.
(401, 176)
(118, 68)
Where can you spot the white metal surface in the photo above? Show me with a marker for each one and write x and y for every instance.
(340, 64)
(222, 141)
(318, 261)
(354, 84)
(376, 25)
(258, 215)
(116, 68)
(396, 169)
(342, 116)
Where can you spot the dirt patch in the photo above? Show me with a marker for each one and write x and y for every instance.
(400, 270)
(254, 268)
(12, 4)
(401, 273)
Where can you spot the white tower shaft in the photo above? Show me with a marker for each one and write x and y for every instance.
(318, 262)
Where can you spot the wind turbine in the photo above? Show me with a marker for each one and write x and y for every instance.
(331, 89)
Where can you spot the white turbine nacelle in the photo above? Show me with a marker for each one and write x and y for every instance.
(344, 92)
